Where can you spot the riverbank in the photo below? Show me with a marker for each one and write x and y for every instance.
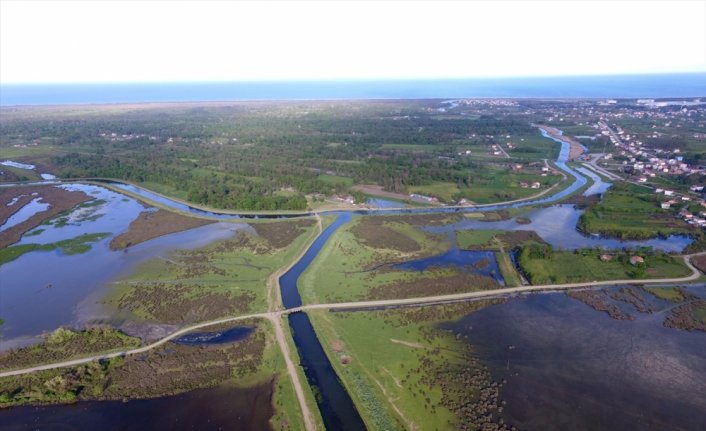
(56, 201)
(576, 148)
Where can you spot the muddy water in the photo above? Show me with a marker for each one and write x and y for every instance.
(570, 367)
(221, 408)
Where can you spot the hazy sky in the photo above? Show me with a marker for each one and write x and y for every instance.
(102, 41)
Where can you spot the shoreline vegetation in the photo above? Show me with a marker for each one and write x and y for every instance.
(224, 278)
(59, 200)
(155, 223)
(403, 370)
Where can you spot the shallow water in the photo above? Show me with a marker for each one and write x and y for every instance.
(237, 333)
(571, 367)
(557, 226)
(598, 187)
(470, 261)
(28, 210)
(66, 290)
(17, 165)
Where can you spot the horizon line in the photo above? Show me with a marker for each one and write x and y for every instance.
(357, 80)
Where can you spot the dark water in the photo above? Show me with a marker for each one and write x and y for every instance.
(579, 369)
(470, 261)
(221, 408)
(288, 282)
(336, 407)
(231, 335)
(617, 86)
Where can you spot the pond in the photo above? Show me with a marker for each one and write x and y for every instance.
(477, 262)
(569, 366)
(237, 333)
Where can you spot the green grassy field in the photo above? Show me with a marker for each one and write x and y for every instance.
(586, 265)
(477, 239)
(345, 268)
(487, 188)
(399, 368)
(632, 212)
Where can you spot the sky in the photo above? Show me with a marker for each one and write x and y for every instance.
(184, 41)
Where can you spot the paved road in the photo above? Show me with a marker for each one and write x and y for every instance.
(274, 316)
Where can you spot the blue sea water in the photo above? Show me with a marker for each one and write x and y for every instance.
(577, 87)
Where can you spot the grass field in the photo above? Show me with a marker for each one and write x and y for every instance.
(345, 266)
(477, 239)
(400, 369)
(487, 188)
(587, 265)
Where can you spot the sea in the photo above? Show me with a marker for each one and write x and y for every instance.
(657, 86)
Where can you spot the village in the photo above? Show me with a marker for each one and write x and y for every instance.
(643, 164)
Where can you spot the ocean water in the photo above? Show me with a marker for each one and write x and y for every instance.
(578, 87)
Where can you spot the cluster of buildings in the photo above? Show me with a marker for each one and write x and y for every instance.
(114, 137)
(643, 162)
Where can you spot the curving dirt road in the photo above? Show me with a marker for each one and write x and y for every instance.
(274, 316)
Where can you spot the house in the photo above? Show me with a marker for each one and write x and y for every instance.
(536, 185)
(669, 193)
(636, 260)
(606, 257)
(524, 185)
(666, 205)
